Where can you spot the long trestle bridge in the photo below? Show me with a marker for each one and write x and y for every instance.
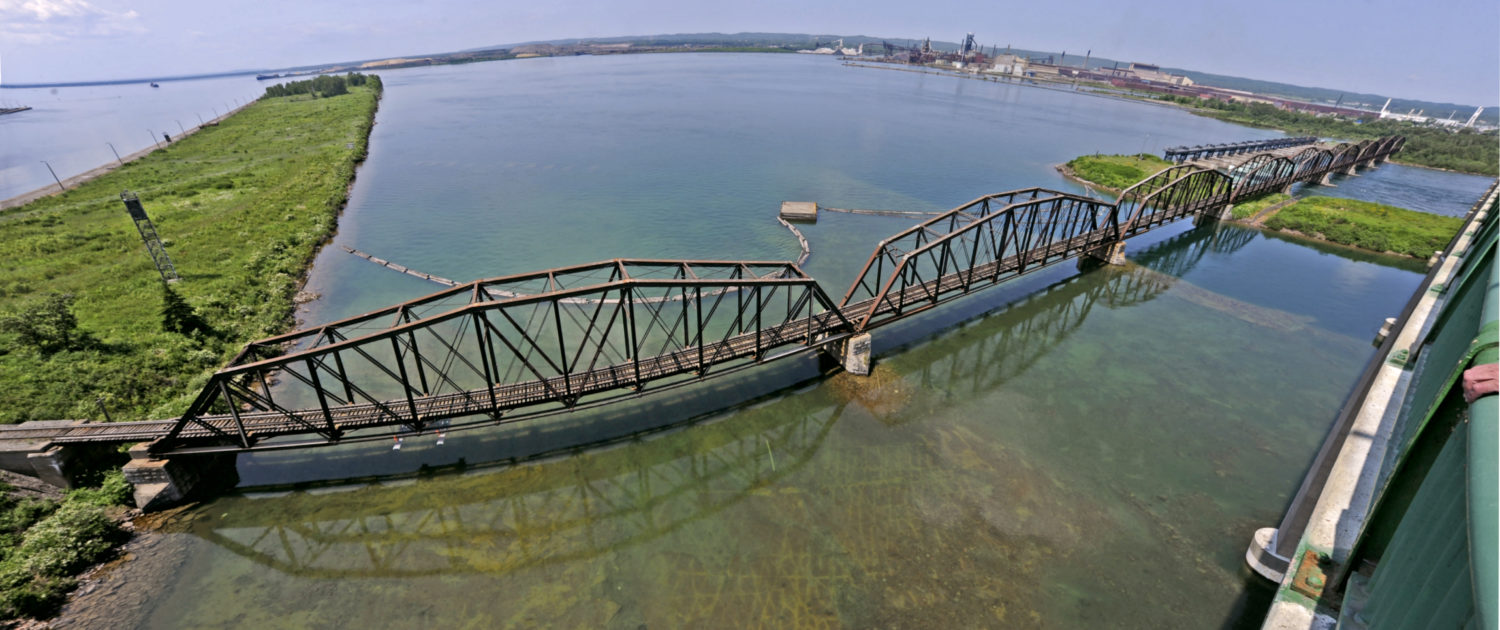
(529, 345)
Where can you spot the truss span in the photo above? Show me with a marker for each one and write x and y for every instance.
(516, 347)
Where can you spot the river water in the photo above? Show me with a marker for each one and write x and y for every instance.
(1077, 448)
(72, 127)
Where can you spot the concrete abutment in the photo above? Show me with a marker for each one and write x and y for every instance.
(163, 483)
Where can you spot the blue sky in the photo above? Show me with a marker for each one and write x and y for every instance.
(1441, 50)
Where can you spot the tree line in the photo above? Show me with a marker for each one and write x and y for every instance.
(323, 86)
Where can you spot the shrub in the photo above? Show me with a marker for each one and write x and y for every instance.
(47, 326)
(75, 536)
(114, 490)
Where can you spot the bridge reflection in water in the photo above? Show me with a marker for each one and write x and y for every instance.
(540, 344)
(575, 508)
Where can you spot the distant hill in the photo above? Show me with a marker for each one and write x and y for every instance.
(1271, 88)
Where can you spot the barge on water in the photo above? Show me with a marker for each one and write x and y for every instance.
(12, 110)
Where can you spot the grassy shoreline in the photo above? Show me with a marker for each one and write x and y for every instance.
(1365, 225)
(242, 208)
(1112, 173)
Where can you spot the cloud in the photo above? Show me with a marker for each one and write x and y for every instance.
(50, 21)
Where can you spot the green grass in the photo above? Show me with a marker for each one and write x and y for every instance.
(1366, 225)
(241, 208)
(1247, 209)
(43, 544)
(1116, 172)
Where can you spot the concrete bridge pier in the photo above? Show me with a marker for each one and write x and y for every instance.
(1350, 171)
(162, 483)
(1112, 254)
(1326, 180)
(1208, 218)
(853, 354)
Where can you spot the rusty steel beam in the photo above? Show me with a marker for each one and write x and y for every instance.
(538, 343)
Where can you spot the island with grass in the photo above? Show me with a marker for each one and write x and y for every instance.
(1366, 225)
(1362, 224)
(1112, 173)
(89, 330)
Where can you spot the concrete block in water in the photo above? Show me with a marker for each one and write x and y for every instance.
(800, 211)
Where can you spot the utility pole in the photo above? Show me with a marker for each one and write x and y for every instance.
(54, 176)
(117, 153)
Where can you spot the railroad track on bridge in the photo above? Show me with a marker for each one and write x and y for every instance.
(529, 345)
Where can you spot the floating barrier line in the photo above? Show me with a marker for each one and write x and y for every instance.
(401, 268)
(882, 213)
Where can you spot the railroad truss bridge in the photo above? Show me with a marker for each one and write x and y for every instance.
(517, 347)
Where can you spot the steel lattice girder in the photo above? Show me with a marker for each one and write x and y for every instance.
(488, 347)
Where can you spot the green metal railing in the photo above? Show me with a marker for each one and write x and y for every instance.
(1427, 555)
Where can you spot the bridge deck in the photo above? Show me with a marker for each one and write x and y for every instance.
(1168, 203)
(1229, 162)
(810, 331)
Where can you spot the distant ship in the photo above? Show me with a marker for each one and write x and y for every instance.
(153, 84)
(263, 77)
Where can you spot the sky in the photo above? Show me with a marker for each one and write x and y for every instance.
(1437, 50)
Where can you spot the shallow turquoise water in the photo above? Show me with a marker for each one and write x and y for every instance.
(1077, 448)
(70, 126)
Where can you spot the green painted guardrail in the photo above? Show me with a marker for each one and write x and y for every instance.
(1432, 536)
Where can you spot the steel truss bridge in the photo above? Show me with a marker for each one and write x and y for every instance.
(569, 511)
(1184, 153)
(530, 345)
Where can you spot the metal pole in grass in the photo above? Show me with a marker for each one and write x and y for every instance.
(200, 118)
(179, 127)
(117, 153)
(54, 176)
(153, 138)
